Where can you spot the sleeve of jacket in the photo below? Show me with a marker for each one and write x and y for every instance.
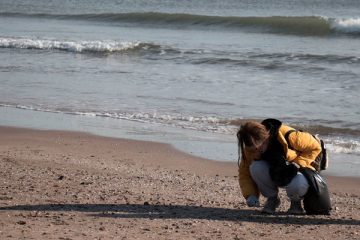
(247, 184)
(307, 147)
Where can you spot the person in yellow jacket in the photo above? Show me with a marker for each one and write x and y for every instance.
(266, 163)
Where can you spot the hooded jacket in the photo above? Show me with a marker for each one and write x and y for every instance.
(306, 149)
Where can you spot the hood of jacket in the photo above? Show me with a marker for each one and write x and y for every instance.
(273, 125)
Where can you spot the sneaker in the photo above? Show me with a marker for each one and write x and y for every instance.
(296, 208)
(271, 204)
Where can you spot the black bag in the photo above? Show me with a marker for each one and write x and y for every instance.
(321, 162)
(317, 199)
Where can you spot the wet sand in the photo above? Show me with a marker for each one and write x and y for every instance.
(69, 185)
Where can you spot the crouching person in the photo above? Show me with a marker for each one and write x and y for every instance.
(266, 163)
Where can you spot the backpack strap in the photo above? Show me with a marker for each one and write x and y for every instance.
(287, 138)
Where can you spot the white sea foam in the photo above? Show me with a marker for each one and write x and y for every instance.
(348, 146)
(199, 123)
(349, 25)
(64, 45)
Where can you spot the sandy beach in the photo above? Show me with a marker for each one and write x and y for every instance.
(69, 185)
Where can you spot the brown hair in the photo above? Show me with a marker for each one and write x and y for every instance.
(249, 133)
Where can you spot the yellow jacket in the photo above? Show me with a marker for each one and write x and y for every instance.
(307, 149)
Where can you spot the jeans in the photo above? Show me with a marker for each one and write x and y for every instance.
(295, 190)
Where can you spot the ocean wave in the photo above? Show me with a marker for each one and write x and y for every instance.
(343, 146)
(206, 123)
(200, 123)
(278, 60)
(103, 46)
(349, 26)
(298, 25)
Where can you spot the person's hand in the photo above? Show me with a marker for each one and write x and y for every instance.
(253, 201)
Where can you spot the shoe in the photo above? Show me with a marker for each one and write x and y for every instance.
(271, 204)
(296, 208)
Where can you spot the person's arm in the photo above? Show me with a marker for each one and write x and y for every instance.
(247, 184)
(307, 147)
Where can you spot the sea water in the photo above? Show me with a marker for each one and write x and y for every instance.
(184, 72)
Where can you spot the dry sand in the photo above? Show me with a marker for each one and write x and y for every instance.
(66, 185)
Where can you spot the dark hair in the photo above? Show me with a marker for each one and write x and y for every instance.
(248, 134)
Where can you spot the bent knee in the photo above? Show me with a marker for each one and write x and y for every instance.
(297, 188)
(258, 168)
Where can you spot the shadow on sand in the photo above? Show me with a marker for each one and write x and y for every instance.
(182, 212)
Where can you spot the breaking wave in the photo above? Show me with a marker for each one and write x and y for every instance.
(350, 25)
(199, 123)
(298, 25)
(102, 46)
(221, 58)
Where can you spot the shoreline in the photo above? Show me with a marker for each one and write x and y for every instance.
(73, 185)
(207, 145)
(202, 144)
(180, 160)
(191, 160)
